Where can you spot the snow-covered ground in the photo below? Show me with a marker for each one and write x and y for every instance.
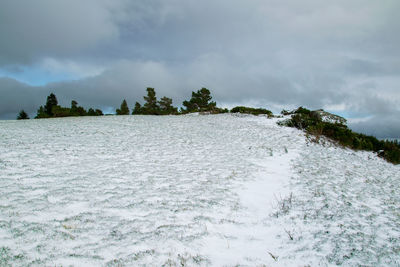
(215, 190)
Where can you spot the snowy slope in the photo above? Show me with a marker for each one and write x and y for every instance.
(216, 190)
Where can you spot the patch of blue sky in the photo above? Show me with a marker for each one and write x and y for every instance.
(36, 76)
(108, 110)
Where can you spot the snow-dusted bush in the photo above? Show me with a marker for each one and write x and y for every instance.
(315, 124)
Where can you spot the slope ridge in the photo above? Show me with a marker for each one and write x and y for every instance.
(192, 190)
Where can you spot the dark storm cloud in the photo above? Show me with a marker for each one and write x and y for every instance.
(16, 96)
(382, 126)
(340, 55)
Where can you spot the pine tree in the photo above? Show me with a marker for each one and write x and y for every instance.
(91, 112)
(202, 98)
(81, 111)
(190, 107)
(138, 109)
(74, 107)
(74, 104)
(59, 111)
(41, 113)
(50, 103)
(151, 106)
(200, 102)
(166, 107)
(76, 110)
(22, 115)
(123, 110)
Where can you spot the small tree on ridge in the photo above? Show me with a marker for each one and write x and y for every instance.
(200, 101)
(50, 103)
(22, 115)
(123, 110)
(151, 107)
(166, 107)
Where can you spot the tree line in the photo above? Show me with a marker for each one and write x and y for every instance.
(200, 101)
(52, 110)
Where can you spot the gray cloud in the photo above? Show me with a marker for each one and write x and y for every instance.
(340, 55)
(34, 29)
(16, 96)
(386, 126)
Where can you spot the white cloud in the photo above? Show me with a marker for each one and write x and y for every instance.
(78, 70)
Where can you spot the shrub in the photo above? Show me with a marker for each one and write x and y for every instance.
(22, 115)
(253, 111)
(302, 110)
(99, 112)
(311, 122)
(220, 110)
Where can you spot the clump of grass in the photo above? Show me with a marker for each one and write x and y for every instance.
(284, 205)
(275, 257)
(289, 233)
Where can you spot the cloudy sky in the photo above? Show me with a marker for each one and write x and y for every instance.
(340, 55)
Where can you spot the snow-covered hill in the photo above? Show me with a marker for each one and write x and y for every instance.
(215, 190)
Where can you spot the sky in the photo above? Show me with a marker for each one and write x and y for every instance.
(342, 55)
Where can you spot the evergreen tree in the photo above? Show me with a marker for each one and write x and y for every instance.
(77, 110)
(50, 103)
(138, 109)
(91, 112)
(74, 108)
(166, 106)
(81, 111)
(41, 113)
(200, 102)
(190, 107)
(22, 115)
(59, 111)
(123, 110)
(52, 109)
(202, 98)
(74, 104)
(151, 106)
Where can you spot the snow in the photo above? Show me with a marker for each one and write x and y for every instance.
(195, 190)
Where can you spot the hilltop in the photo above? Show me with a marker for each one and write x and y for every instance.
(191, 190)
